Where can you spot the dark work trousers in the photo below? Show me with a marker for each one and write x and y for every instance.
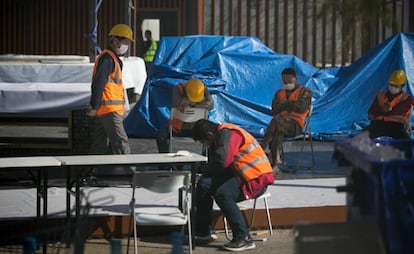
(279, 128)
(226, 191)
(388, 129)
(109, 136)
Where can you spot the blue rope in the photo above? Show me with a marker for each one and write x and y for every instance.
(93, 34)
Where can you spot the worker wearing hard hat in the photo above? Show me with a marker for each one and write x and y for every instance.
(390, 112)
(108, 97)
(192, 93)
(290, 107)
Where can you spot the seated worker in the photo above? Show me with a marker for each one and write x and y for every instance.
(290, 106)
(237, 169)
(390, 111)
(193, 93)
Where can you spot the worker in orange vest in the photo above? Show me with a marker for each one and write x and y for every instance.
(237, 169)
(107, 96)
(390, 112)
(192, 93)
(290, 106)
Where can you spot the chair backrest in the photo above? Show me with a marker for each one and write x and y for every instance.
(190, 114)
(161, 181)
(306, 127)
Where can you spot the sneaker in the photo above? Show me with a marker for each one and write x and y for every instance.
(240, 244)
(205, 239)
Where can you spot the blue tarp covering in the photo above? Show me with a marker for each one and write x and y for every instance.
(242, 75)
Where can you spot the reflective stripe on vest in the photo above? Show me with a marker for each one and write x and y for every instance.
(113, 97)
(251, 161)
(295, 116)
(381, 98)
(149, 55)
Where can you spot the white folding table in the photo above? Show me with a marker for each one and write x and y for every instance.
(40, 164)
(77, 162)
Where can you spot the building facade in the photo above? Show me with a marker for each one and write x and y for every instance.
(317, 31)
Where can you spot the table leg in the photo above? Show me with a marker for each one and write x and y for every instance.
(193, 201)
(45, 187)
(68, 213)
(68, 190)
(38, 192)
(77, 194)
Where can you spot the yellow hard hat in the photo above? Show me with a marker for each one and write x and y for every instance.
(398, 78)
(195, 90)
(121, 30)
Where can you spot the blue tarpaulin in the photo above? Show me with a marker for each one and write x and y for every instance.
(242, 75)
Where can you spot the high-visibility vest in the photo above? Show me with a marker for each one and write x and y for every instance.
(149, 55)
(404, 118)
(113, 97)
(251, 161)
(295, 116)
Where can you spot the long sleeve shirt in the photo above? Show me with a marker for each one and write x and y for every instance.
(401, 108)
(222, 155)
(301, 105)
(104, 67)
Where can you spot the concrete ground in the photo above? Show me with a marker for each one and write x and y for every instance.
(282, 243)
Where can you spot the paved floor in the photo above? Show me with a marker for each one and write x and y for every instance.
(282, 243)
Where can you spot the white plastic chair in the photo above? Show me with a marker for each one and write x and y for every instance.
(190, 115)
(302, 137)
(264, 197)
(158, 215)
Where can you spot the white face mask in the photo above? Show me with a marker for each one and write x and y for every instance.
(122, 50)
(289, 86)
(394, 89)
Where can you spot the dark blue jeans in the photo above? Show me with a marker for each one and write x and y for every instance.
(226, 191)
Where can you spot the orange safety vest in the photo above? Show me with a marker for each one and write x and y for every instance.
(113, 95)
(295, 116)
(177, 124)
(381, 98)
(251, 161)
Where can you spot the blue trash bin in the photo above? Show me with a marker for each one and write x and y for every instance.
(381, 191)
